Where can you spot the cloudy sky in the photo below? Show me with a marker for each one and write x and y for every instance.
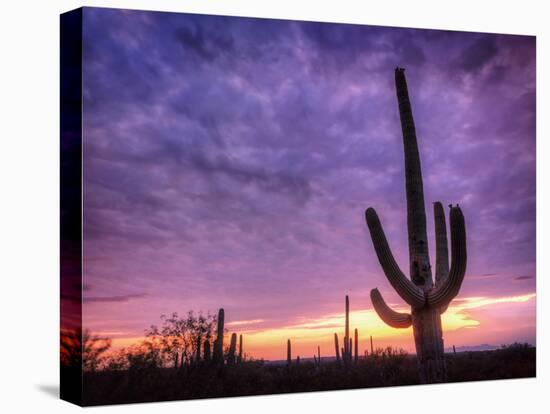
(228, 163)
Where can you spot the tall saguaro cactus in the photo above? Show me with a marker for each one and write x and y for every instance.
(240, 357)
(356, 344)
(231, 354)
(218, 343)
(427, 300)
(347, 347)
(336, 348)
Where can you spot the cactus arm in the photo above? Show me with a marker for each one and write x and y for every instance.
(442, 251)
(410, 293)
(442, 295)
(391, 317)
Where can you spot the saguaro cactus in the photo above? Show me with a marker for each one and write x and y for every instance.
(336, 347)
(232, 349)
(218, 343)
(371, 346)
(240, 357)
(356, 346)
(319, 354)
(427, 300)
(347, 348)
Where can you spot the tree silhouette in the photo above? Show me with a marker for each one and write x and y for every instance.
(86, 350)
(180, 339)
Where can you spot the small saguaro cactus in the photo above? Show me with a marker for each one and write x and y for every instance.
(426, 298)
(232, 349)
(240, 357)
(347, 348)
(218, 343)
(288, 352)
(336, 347)
(371, 346)
(356, 345)
(176, 360)
(319, 354)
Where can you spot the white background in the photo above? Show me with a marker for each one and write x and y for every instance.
(29, 194)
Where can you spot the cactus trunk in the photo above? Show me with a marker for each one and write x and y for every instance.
(419, 259)
(207, 350)
(336, 347)
(426, 321)
(428, 340)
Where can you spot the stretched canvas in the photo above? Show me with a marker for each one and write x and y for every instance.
(257, 206)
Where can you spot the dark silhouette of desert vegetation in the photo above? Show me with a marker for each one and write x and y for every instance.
(162, 367)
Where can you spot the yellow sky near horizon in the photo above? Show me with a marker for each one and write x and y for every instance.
(468, 321)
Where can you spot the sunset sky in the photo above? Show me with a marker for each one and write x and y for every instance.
(228, 163)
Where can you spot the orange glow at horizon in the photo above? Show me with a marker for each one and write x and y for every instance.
(468, 321)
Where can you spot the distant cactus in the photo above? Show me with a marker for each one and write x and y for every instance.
(454, 350)
(176, 361)
(319, 354)
(288, 353)
(218, 343)
(371, 346)
(231, 354)
(427, 300)
(336, 347)
(240, 357)
(347, 348)
(356, 345)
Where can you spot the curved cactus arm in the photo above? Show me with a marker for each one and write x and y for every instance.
(410, 293)
(442, 251)
(442, 295)
(388, 315)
